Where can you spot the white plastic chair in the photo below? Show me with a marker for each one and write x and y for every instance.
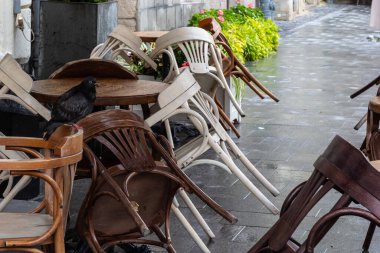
(122, 42)
(201, 53)
(174, 100)
(16, 86)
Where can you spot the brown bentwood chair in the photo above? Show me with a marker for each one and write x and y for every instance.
(134, 180)
(341, 167)
(231, 65)
(53, 161)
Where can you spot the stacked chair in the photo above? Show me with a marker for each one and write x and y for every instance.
(122, 42)
(196, 99)
(198, 46)
(230, 63)
(137, 176)
(54, 162)
(175, 100)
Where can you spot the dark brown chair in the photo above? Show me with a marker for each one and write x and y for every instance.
(134, 180)
(371, 147)
(54, 162)
(341, 167)
(232, 66)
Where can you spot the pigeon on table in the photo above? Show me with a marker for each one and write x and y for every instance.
(72, 105)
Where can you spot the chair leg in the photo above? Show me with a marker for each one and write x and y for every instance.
(368, 237)
(251, 167)
(243, 178)
(24, 181)
(190, 229)
(196, 213)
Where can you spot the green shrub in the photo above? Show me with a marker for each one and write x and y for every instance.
(250, 35)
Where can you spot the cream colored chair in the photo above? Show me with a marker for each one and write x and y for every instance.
(122, 42)
(16, 86)
(202, 56)
(175, 100)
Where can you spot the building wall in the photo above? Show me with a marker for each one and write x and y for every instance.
(150, 15)
(12, 39)
(288, 9)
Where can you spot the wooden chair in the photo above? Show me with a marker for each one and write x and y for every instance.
(54, 162)
(122, 42)
(134, 180)
(231, 65)
(341, 167)
(198, 46)
(371, 148)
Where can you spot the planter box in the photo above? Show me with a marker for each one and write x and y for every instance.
(69, 31)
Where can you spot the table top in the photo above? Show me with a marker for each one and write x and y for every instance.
(150, 36)
(110, 91)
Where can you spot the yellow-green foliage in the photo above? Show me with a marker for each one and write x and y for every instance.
(250, 35)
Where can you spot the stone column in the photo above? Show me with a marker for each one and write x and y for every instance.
(127, 13)
(284, 9)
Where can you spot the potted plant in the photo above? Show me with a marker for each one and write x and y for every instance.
(70, 29)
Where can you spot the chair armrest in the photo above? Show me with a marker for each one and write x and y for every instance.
(24, 142)
(39, 163)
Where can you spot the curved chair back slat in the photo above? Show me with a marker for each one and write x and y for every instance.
(120, 42)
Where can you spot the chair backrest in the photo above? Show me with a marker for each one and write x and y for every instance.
(196, 44)
(14, 79)
(92, 67)
(131, 192)
(134, 181)
(341, 166)
(121, 41)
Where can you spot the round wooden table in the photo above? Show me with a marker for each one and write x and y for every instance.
(150, 36)
(110, 91)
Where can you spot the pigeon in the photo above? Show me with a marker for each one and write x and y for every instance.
(72, 105)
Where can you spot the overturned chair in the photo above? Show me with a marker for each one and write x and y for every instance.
(341, 167)
(134, 180)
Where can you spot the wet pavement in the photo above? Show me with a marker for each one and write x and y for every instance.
(321, 60)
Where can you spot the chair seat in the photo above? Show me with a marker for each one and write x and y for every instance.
(23, 225)
(183, 153)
